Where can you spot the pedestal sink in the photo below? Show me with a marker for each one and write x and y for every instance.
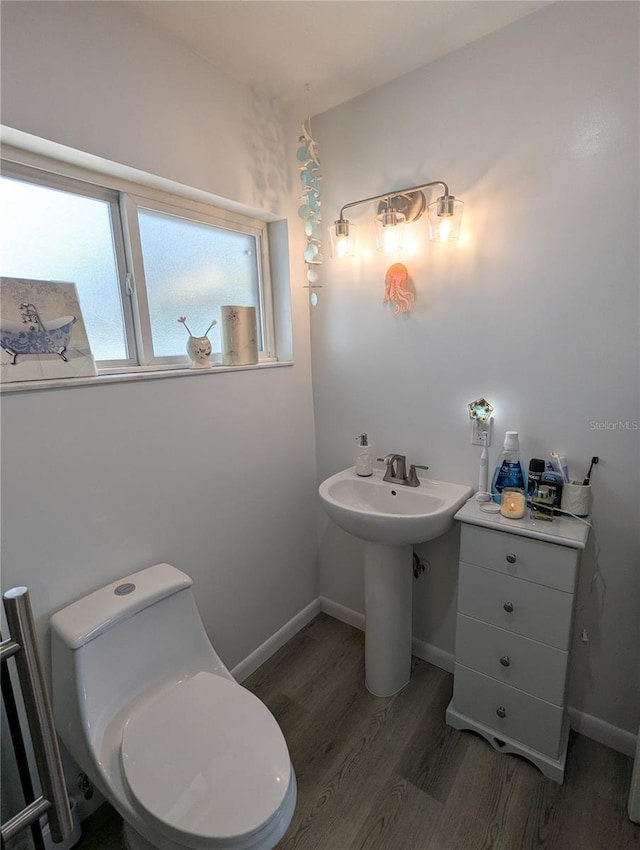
(390, 518)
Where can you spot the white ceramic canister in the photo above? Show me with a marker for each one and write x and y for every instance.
(239, 336)
(576, 498)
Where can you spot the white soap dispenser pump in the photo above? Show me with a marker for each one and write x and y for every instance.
(364, 457)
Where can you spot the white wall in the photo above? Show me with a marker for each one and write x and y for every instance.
(214, 473)
(536, 128)
(96, 77)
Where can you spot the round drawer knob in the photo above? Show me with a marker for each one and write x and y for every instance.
(501, 711)
(508, 607)
(511, 558)
(505, 661)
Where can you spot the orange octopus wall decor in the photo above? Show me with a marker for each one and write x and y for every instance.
(395, 291)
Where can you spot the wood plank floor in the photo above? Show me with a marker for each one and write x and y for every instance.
(389, 774)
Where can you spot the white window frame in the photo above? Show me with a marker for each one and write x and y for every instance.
(130, 205)
(50, 180)
(124, 202)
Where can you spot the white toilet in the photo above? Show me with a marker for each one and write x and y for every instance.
(143, 703)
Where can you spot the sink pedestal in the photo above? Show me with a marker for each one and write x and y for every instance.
(388, 604)
(391, 519)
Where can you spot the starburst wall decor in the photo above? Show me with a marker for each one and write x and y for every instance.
(309, 210)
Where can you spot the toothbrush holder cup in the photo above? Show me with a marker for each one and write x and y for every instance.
(577, 498)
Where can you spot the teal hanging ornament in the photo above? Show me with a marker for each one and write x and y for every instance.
(309, 210)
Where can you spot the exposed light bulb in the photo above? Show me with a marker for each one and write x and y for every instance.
(389, 231)
(342, 239)
(342, 247)
(389, 239)
(445, 215)
(444, 229)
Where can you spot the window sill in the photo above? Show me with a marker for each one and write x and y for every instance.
(124, 377)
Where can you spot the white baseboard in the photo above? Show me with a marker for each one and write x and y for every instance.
(251, 663)
(421, 649)
(603, 732)
(433, 654)
(342, 613)
(592, 727)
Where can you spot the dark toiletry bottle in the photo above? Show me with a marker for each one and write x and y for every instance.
(536, 468)
(554, 481)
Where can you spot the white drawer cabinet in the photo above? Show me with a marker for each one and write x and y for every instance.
(529, 609)
(534, 667)
(517, 580)
(509, 712)
(519, 557)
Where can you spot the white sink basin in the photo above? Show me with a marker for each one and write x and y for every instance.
(393, 514)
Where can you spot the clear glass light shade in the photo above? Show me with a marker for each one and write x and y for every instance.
(389, 231)
(343, 239)
(445, 216)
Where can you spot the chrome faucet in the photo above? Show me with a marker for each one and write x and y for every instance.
(396, 472)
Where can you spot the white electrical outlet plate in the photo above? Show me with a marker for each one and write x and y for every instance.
(480, 433)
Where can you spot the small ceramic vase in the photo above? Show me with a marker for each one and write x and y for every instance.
(199, 350)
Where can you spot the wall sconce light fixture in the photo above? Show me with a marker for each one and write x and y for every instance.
(394, 210)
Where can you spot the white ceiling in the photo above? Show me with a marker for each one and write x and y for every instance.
(315, 54)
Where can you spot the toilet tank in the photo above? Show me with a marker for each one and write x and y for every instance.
(119, 642)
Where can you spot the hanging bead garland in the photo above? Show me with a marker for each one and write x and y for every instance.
(309, 210)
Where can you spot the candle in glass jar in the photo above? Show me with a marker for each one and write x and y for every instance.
(513, 504)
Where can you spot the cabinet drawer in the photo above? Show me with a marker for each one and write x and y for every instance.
(533, 667)
(527, 609)
(527, 719)
(532, 560)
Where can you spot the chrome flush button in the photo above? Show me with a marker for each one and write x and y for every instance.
(125, 589)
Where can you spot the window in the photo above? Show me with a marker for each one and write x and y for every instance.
(138, 263)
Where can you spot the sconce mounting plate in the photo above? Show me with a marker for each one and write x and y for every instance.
(411, 205)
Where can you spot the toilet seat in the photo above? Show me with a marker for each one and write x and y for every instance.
(207, 759)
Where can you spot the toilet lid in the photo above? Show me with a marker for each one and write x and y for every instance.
(207, 758)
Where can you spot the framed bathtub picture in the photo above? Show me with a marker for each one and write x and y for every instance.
(42, 333)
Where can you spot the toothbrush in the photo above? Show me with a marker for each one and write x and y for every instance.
(565, 468)
(587, 481)
(556, 463)
(483, 478)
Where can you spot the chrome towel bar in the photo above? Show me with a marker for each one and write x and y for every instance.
(22, 646)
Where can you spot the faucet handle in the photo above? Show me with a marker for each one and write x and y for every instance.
(412, 478)
(396, 467)
(390, 460)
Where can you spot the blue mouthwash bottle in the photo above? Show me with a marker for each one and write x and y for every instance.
(509, 469)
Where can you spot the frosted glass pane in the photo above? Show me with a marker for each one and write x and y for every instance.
(48, 234)
(191, 270)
